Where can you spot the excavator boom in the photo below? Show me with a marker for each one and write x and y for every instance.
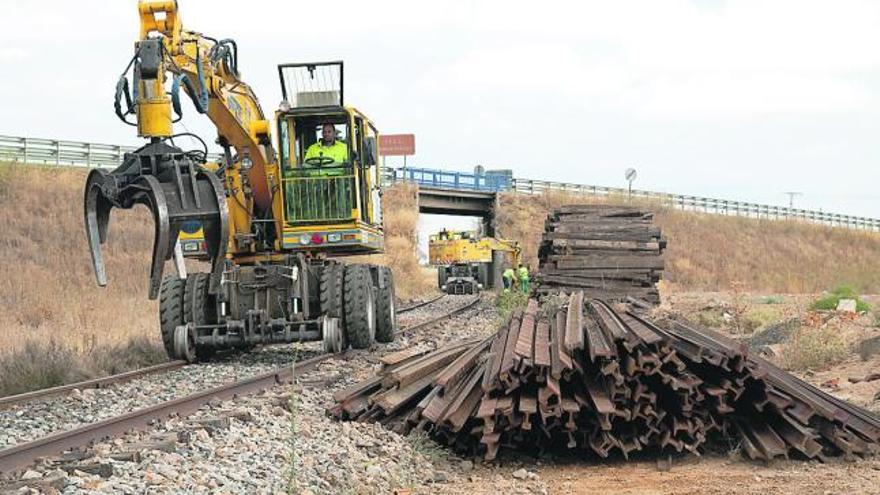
(175, 185)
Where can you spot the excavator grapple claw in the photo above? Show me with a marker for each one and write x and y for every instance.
(176, 189)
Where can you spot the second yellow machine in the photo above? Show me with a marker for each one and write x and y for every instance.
(467, 262)
(269, 222)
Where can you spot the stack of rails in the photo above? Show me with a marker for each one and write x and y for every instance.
(611, 252)
(600, 381)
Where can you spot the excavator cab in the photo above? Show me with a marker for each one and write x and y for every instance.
(328, 153)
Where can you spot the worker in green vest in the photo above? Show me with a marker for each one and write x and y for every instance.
(328, 153)
(508, 276)
(326, 182)
(523, 274)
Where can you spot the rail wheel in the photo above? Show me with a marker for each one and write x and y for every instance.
(360, 306)
(386, 313)
(332, 334)
(184, 347)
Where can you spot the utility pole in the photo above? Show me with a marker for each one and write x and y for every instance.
(791, 196)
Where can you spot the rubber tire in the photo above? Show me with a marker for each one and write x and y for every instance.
(360, 307)
(170, 310)
(199, 308)
(332, 279)
(386, 313)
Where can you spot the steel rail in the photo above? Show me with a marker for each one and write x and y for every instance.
(434, 321)
(8, 401)
(25, 454)
(421, 304)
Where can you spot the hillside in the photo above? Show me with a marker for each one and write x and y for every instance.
(711, 252)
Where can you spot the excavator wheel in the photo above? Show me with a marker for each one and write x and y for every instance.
(332, 279)
(360, 306)
(386, 313)
(199, 307)
(170, 310)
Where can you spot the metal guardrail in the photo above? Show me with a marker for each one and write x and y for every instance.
(445, 179)
(82, 154)
(468, 181)
(64, 153)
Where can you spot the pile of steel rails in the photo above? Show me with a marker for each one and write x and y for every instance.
(612, 252)
(585, 375)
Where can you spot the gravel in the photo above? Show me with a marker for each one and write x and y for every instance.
(245, 446)
(27, 422)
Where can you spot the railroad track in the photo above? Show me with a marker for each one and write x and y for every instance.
(104, 382)
(11, 400)
(25, 454)
(421, 304)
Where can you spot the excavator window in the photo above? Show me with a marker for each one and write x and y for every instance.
(319, 186)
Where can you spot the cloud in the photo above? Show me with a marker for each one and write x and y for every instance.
(12, 54)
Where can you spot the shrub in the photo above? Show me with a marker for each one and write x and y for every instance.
(830, 301)
(815, 348)
(508, 302)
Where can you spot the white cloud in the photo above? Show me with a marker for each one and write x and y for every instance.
(12, 54)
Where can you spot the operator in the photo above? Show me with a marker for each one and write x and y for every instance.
(327, 152)
(507, 276)
(523, 273)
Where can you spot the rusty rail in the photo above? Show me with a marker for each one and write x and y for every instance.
(421, 304)
(12, 400)
(434, 321)
(587, 376)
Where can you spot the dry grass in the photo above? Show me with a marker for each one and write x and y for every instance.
(712, 253)
(49, 289)
(58, 326)
(708, 252)
(401, 218)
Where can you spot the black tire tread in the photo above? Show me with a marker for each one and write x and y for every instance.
(170, 310)
(385, 319)
(358, 283)
(332, 279)
(197, 307)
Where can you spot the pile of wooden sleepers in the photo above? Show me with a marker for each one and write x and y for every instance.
(612, 252)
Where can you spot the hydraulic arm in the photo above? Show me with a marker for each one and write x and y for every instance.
(179, 186)
(273, 240)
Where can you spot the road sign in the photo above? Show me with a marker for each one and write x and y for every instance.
(630, 174)
(397, 144)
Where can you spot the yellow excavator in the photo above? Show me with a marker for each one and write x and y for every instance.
(270, 223)
(468, 262)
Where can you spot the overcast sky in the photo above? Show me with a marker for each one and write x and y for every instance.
(734, 99)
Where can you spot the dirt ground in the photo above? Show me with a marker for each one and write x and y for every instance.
(706, 475)
(714, 473)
